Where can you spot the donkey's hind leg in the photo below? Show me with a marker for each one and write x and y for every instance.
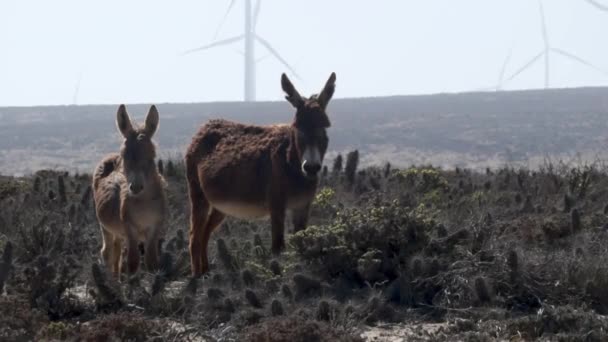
(199, 214)
(107, 245)
(116, 256)
(215, 219)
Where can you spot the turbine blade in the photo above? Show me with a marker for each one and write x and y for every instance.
(256, 13)
(526, 66)
(598, 5)
(214, 44)
(544, 23)
(219, 27)
(276, 54)
(504, 68)
(578, 59)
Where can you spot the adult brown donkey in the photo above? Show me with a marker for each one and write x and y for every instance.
(129, 196)
(249, 171)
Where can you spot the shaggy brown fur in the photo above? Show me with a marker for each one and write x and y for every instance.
(250, 171)
(129, 196)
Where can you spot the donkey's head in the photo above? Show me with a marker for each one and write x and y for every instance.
(137, 151)
(310, 123)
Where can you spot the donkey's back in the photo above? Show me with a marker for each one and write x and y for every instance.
(105, 168)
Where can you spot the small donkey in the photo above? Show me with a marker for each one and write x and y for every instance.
(129, 196)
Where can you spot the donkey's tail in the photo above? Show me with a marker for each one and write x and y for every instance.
(194, 184)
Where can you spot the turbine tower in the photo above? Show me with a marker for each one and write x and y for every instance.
(77, 89)
(249, 37)
(547, 51)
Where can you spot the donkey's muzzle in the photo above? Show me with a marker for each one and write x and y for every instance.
(311, 169)
(135, 188)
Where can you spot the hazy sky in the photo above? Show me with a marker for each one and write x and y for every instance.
(129, 51)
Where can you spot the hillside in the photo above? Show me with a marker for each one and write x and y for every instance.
(470, 129)
(415, 254)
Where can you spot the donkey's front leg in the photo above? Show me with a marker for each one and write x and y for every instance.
(132, 249)
(277, 222)
(152, 249)
(300, 218)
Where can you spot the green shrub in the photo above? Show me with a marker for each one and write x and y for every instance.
(389, 231)
(422, 179)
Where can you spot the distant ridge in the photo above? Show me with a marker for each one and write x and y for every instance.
(542, 91)
(468, 129)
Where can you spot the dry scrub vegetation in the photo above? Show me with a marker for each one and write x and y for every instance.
(509, 254)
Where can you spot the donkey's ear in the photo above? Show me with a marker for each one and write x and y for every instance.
(151, 121)
(292, 94)
(328, 91)
(123, 122)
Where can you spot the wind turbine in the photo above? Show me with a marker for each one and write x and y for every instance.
(249, 37)
(546, 53)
